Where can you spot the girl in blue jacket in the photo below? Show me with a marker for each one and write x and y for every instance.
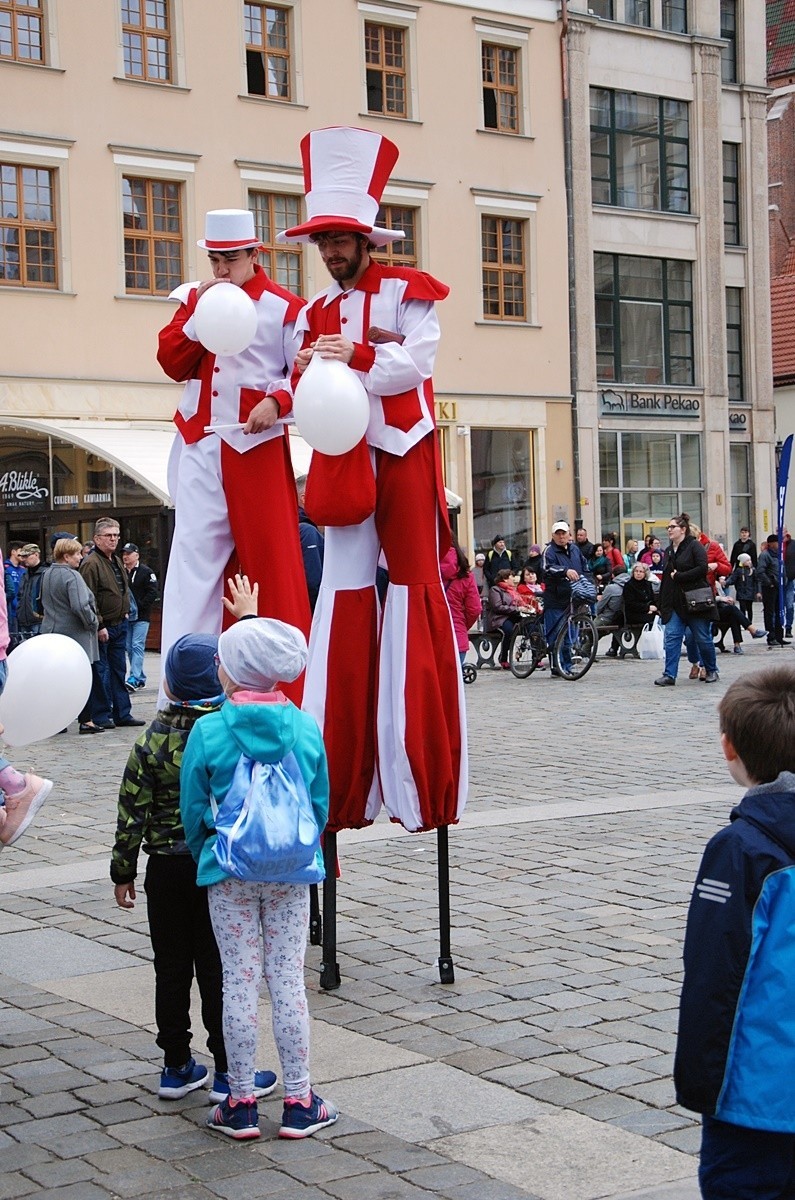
(259, 723)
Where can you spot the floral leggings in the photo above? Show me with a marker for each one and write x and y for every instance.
(280, 911)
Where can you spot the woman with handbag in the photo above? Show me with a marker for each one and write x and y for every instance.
(686, 601)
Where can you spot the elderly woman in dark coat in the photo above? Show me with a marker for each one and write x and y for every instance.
(69, 608)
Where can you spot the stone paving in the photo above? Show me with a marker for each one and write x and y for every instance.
(543, 1071)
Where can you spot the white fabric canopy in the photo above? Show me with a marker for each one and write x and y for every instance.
(141, 448)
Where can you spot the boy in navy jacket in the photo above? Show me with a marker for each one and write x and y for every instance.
(735, 1057)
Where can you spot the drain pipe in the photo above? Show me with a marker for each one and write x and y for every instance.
(568, 173)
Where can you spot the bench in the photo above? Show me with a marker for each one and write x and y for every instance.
(485, 646)
(627, 636)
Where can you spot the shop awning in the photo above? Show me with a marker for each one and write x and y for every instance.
(138, 448)
(141, 448)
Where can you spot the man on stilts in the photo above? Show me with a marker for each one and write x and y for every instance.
(233, 488)
(386, 687)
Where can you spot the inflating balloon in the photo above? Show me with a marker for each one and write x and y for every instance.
(331, 406)
(49, 680)
(225, 319)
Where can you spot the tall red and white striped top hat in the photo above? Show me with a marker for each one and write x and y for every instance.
(229, 229)
(345, 173)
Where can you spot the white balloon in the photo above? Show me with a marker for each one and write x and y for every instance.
(331, 406)
(49, 681)
(225, 319)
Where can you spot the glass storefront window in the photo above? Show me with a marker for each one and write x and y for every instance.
(648, 477)
(740, 479)
(608, 460)
(502, 488)
(128, 491)
(47, 484)
(649, 459)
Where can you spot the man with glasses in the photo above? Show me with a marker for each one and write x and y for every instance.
(392, 714)
(105, 576)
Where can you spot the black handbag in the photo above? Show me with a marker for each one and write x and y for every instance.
(700, 602)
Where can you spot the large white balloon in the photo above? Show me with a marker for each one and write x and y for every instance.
(49, 680)
(331, 406)
(225, 319)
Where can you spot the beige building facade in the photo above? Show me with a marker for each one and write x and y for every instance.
(123, 122)
(674, 404)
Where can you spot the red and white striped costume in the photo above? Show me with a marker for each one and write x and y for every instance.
(386, 688)
(234, 493)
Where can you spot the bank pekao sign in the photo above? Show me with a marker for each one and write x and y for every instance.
(22, 489)
(625, 403)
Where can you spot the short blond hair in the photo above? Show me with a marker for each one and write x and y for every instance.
(65, 546)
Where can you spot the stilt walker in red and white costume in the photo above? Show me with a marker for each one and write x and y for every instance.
(233, 490)
(384, 688)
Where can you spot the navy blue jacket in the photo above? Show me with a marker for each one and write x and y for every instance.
(743, 579)
(555, 562)
(735, 1055)
(312, 549)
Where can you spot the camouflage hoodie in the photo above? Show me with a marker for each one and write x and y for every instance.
(149, 793)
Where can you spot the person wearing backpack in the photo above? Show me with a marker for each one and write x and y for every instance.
(258, 756)
(179, 921)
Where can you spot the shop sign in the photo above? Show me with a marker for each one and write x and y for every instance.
(613, 403)
(446, 410)
(738, 421)
(22, 489)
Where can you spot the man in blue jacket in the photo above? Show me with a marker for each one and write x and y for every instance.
(735, 1055)
(562, 564)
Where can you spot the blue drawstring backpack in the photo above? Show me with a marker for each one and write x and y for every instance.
(265, 827)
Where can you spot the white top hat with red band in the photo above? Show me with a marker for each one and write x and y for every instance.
(345, 173)
(229, 229)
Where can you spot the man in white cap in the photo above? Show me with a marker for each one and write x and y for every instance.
(562, 565)
(233, 488)
(391, 712)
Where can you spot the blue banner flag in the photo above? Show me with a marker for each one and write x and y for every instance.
(783, 478)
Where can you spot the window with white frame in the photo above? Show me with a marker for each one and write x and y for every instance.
(146, 40)
(33, 213)
(273, 213)
(268, 38)
(503, 55)
(389, 58)
(507, 237)
(28, 226)
(405, 252)
(156, 234)
(153, 235)
(22, 33)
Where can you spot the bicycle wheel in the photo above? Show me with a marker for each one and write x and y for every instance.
(575, 646)
(525, 650)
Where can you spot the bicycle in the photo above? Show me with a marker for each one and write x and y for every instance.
(577, 641)
(527, 646)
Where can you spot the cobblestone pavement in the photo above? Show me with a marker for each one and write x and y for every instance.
(543, 1071)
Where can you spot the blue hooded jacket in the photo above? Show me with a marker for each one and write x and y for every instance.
(735, 1055)
(265, 732)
